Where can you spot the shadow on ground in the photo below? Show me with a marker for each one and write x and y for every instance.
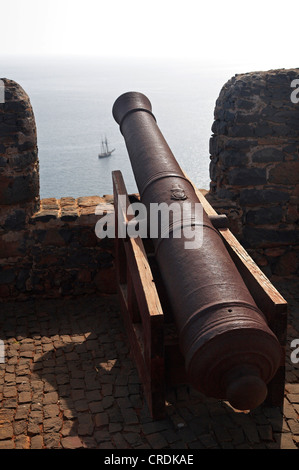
(68, 382)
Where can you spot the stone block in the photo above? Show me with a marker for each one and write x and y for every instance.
(261, 196)
(45, 215)
(287, 264)
(264, 237)
(15, 219)
(7, 275)
(230, 158)
(247, 176)
(49, 204)
(68, 215)
(19, 188)
(268, 154)
(286, 173)
(265, 216)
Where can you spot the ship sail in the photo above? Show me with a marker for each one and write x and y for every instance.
(105, 152)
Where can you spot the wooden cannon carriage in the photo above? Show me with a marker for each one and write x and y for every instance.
(210, 302)
(148, 317)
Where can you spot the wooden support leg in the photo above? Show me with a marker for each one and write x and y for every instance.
(141, 308)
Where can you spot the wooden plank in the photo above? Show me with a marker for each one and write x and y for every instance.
(133, 306)
(251, 272)
(142, 278)
(266, 296)
(142, 311)
(152, 386)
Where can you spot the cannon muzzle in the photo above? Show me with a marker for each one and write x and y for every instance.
(230, 352)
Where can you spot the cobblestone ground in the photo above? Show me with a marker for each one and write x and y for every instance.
(68, 382)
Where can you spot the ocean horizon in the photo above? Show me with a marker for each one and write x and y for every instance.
(72, 100)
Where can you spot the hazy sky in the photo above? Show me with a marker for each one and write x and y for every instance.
(228, 30)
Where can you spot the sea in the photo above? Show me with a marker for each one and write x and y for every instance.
(72, 99)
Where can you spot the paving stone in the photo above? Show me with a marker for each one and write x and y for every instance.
(121, 391)
(50, 398)
(86, 425)
(265, 432)
(156, 440)
(96, 407)
(287, 442)
(102, 435)
(251, 433)
(25, 397)
(7, 444)
(222, 434)
(20, 427)
(130, 416)
(293, 397)
(70, 413)
(237, 435)
(6, 431)
(170, 435)
(51, 411)
(62, 379)
(114, 427)
(134, 439)
(52, 440)
(34, 426)
(81, 405)
(195, 445)
(10, 379)
(178, 445)
(119, 441)
(155, 426)
(292, 388)
(72, 442)
(101, 419)
(77, 384)
(78, 394)
(22, 442)
(9, 392)
(52, 424)
(106, 389)
(115, 415)
(22, 411)
(208, 441)
(36, 442)
(294, 426)
(69, 428)
(107, 402)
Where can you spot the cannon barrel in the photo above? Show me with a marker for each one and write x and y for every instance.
(230, 352)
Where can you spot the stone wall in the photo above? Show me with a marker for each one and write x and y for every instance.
(58, 253)
(47, 248)
(19, 172)
(254, 166)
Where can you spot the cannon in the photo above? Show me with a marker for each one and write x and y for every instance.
(229, 350)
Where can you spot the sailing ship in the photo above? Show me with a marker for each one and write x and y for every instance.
(105, 152)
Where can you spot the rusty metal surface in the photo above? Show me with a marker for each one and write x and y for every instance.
(230, 352)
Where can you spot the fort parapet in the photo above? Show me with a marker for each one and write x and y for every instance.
(49, 247)
(254, 166)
